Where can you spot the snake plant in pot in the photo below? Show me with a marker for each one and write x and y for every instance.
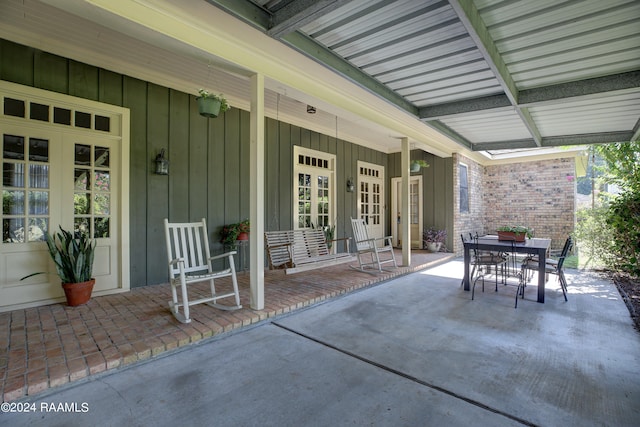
(73, 258)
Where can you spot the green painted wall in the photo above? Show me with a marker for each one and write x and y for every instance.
(437, 188)
(209, 158)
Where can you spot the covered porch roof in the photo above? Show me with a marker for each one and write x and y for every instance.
(484, 78)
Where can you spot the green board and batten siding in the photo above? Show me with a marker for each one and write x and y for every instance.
(437, 189)
(208, 157)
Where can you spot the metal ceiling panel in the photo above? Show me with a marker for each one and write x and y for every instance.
(489, 127)
(606, 114)
(548, 42)
(420, 49)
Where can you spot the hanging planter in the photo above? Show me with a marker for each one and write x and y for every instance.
(210, 105)
(415, 165)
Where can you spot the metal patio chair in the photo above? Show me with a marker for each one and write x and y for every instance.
(551, 267)
(482, 260)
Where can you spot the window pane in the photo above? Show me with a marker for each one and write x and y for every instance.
(13, 147)
(102, 157)
(83, 120)
(38, 203)
(39, 176)
(13, 230)
(81, 179)
(101, 181)
(464, 189)
(14, 107)
(61, 116)
(37, 229)
(80, 225)
(38, 150)
(81, 205)
(12, 202)
(83, 155)
(102, 123)
(39, 112)
(13, 175)
(101, 204)
(101, 227)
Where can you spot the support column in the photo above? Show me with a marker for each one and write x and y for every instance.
(405, 205)
(256, 192)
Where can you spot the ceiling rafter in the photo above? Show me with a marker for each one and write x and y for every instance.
(492, 102)
(564, 92)
(554, 141)
(582, 88)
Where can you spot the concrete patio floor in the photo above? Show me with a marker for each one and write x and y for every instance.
(414, 350)
(49, 346)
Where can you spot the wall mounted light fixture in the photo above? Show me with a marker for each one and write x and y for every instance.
(311, 109)
(162, 164)
(350, 186)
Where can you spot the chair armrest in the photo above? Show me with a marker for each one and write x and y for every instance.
(176, 261)
(369, 241)
(385, 238)
(224, 255)
(346, 240)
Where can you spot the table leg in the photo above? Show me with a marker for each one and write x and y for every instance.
(467, 261)
(542, 263)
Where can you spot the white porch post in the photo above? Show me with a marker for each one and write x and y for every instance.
(256, 191)
(404, 218)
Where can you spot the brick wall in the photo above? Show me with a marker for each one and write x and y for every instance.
(472, 221)
(539, 195)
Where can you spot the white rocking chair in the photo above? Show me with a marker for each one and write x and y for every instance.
(366, 246)
(190, 262)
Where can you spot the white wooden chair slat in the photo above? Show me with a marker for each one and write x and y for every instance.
(367, 246)
(190, 261)
(301, 250)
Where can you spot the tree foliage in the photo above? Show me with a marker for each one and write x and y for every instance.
(622, 168)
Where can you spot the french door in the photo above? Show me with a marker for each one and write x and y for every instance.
(314, 189)
(415, 211)
(371, 197)
(57, 176)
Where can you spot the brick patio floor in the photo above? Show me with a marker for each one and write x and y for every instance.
(52, 345)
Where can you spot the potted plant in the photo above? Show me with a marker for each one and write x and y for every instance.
(73, 258)
(329, 234)
(433, 239)
(417, 164)
(210, 105)
(232, 232)
(514, 233)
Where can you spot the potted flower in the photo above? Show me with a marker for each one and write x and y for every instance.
(515, 233)
(73, 258)
(433, 239)
(417, 164)
(210, 105)
(232, 232)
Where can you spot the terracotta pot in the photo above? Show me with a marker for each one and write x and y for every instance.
(78, 293)
(511, 236)
(243, 236)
